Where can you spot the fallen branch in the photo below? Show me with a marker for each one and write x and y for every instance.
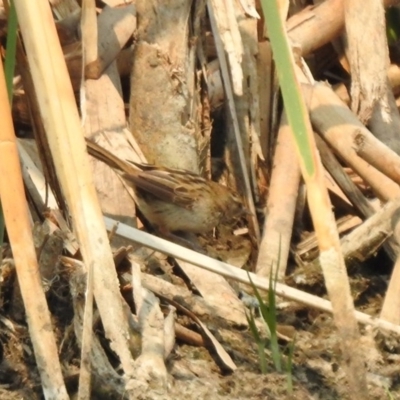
(221, 268)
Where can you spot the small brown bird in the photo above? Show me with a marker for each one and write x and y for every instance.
(177, 200)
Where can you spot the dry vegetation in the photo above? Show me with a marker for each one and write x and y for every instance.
(192, 85)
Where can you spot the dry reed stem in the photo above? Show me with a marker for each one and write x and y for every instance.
(229, 271)
(89, 54)
(316, 26)
(20, 235)
(229, 90)
(281, 206)
(338, 126)
(62, 124)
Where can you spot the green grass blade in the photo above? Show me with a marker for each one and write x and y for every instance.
(294, 105)
(268, 313)
(272, 323)
(262, 358)
(264, 309)
(9, 67)
(9, 64)
(252, 325)
(259, 341)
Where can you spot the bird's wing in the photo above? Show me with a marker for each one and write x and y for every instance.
(163, 185)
